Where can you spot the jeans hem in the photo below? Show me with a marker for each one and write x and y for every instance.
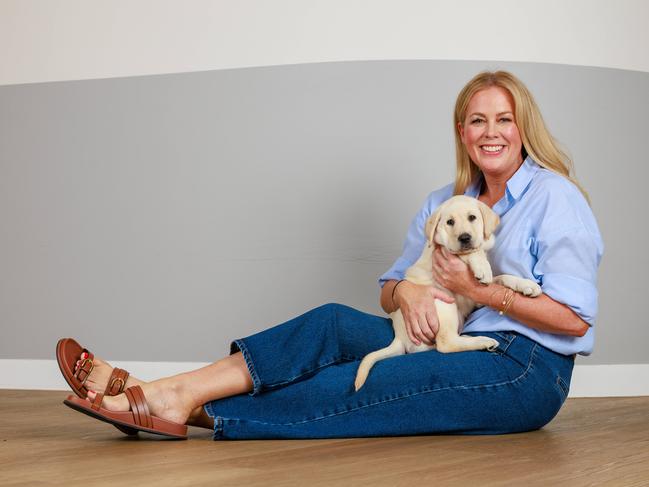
(239, 345)
(218, 428)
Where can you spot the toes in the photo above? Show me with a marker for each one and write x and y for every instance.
(82, 357)
(92, 395)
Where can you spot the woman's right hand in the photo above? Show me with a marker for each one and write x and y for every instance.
(417, 304)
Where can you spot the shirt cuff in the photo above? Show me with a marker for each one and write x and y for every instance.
(396, 272)
(578, 294)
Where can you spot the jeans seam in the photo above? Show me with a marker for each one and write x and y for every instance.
(301, 374)
(342, 358)
(509, 341)
(218, 428)
(563, 386)
(256, 382)
(480, 386)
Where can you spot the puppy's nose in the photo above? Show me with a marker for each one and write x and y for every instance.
(464, 239)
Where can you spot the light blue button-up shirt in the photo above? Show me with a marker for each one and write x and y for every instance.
(547, 233)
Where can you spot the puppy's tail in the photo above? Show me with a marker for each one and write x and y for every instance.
(394, 349)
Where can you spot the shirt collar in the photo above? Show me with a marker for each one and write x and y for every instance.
(516, 184)
(521, 178)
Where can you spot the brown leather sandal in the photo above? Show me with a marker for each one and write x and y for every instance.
(129, 422)
(68, 352)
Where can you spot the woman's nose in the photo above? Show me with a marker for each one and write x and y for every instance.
(491, 129)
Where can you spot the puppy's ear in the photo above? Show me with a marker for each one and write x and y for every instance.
(431, 226)
(490, 219)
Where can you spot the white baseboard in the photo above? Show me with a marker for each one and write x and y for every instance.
(614, 380)
(45, 374)
(587, 380)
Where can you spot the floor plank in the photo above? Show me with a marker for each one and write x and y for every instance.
(601, 441)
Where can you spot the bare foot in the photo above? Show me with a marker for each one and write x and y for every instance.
(167, 399)
(98, 380)
(100, 374)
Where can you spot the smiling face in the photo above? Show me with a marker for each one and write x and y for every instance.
(490, 134)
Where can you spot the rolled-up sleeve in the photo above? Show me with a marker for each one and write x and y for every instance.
(566, 267)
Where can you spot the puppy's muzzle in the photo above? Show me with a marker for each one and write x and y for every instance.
(465, 240)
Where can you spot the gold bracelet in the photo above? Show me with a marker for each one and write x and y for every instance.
(506, 310)
(509, 295)
(508, 299)
(492, 295)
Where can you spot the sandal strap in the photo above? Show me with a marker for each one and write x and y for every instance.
(96, 404)
(116, 382)
(139, 407)
(83, 372)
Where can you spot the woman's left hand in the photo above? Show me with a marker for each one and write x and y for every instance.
(453, 274)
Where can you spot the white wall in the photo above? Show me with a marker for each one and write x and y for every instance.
(42, 40)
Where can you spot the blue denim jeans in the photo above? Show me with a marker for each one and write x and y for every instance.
(303, 374)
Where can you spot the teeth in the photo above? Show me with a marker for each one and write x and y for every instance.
(492, 148)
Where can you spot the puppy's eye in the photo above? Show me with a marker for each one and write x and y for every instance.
(471, 218)
(450, 222)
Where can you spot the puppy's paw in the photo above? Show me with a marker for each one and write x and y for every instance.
(529, 288)
(526, 287)
(501, 280)
(489, 344)
(483, 274)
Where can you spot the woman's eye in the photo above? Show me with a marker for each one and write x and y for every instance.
(505, 120)
(471, 218)
(476, 121)
(450, 222)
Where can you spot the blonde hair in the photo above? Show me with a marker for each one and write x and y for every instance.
(537, 140)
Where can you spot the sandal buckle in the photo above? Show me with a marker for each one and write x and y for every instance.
(115, 380)
(82, 369)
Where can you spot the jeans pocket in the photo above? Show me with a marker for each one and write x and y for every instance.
(504, 339)
(505, 335)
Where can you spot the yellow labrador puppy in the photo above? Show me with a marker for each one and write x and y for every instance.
(464, 226)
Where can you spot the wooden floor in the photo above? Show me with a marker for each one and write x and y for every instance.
(590, 442)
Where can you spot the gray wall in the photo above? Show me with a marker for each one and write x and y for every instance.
(158, 217)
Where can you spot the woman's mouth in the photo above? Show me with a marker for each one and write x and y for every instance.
(492, 149)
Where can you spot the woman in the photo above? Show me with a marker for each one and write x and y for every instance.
(296, 380)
